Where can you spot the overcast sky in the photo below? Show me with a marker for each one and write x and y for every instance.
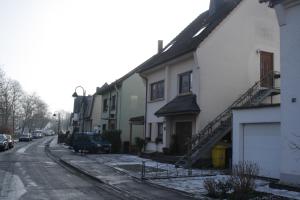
(52, 46)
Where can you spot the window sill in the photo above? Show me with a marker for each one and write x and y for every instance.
(156, 100)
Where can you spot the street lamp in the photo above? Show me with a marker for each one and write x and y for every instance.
(75, 95)
(58, 124)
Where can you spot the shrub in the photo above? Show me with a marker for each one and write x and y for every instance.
(140, 143)
(217, 189)
(211, 187)
(223, 187)
(114, 137)
(242, 178)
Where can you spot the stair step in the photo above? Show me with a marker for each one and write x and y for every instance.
(223, 123)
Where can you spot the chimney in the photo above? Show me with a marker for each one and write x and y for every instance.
(159, 46)
(215, 5)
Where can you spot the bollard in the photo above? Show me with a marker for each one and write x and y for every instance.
(143, 170)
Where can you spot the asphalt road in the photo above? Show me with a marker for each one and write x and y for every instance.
(27, 173)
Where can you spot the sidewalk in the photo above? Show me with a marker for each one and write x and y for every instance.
(123, 172)
(115, 178)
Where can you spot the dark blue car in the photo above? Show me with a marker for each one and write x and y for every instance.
(91, 142)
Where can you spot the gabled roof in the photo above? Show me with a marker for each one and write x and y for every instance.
(88, 106)
(189, 39)
(107, 87)
(180, 105)
(86, 102)
(77, 104)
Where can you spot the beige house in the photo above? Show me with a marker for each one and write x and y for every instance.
(204, 70)
(270, 135)
(96, 112)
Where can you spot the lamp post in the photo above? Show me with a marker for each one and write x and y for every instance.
(75, 95)
(58, 125)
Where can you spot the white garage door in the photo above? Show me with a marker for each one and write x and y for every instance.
(262, 146)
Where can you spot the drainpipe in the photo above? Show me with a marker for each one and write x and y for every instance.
(146, 100)
(117, 102)
(109, 105)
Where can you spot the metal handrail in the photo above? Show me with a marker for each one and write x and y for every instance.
(245, 98)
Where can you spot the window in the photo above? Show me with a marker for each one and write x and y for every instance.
(105, 106)
(113, 102)
(185, 81)
(157, 90)
(104, 127)
(160, 131)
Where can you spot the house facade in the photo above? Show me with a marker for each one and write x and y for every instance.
(96, 113)
(280, 136)
(203, 70)
(110, 106)
(123, 107)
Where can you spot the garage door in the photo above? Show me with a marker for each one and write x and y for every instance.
(262, 146)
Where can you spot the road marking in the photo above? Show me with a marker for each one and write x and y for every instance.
(23, 149)
(13, 187)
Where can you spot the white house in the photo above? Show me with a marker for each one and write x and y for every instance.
(205, 69)
(271, 136)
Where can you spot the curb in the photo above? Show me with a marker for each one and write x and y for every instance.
(125, 193)
(147, 181)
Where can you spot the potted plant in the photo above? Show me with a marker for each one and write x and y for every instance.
(140, 143)
(158, 140)
(148, 139)
(166, 150)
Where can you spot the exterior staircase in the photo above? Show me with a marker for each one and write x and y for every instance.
(214, 131)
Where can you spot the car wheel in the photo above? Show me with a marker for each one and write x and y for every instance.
(76, 150)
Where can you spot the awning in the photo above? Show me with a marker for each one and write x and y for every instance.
(180, 105)
(137, 120)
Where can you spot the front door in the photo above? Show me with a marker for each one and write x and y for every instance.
(266, 67)
(183, 133)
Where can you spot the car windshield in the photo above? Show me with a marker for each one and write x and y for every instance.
(96, 137)
(2, 137)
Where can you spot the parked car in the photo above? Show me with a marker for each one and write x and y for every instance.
(91, 142)
(37, 134)
(25, 137)
(3, 142)
(11, 142)
(49, 133)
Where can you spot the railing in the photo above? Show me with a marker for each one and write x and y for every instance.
(246, 99)
(151, 170)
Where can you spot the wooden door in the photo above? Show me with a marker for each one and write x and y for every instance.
(266, 67)
(183, 133)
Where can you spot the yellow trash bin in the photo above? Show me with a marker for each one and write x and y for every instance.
(219, 156)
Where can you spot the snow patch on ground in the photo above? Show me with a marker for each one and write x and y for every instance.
(14, 190)
(193, 185)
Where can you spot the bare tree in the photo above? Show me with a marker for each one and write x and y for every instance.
(16, 93)
(29, 111)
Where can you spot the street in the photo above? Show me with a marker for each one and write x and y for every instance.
(27, 173)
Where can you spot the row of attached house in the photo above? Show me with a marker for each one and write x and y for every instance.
(193, 92)
(116, 106)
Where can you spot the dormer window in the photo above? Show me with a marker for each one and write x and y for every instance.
(185, 82)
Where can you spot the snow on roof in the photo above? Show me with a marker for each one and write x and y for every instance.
(200, 31)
